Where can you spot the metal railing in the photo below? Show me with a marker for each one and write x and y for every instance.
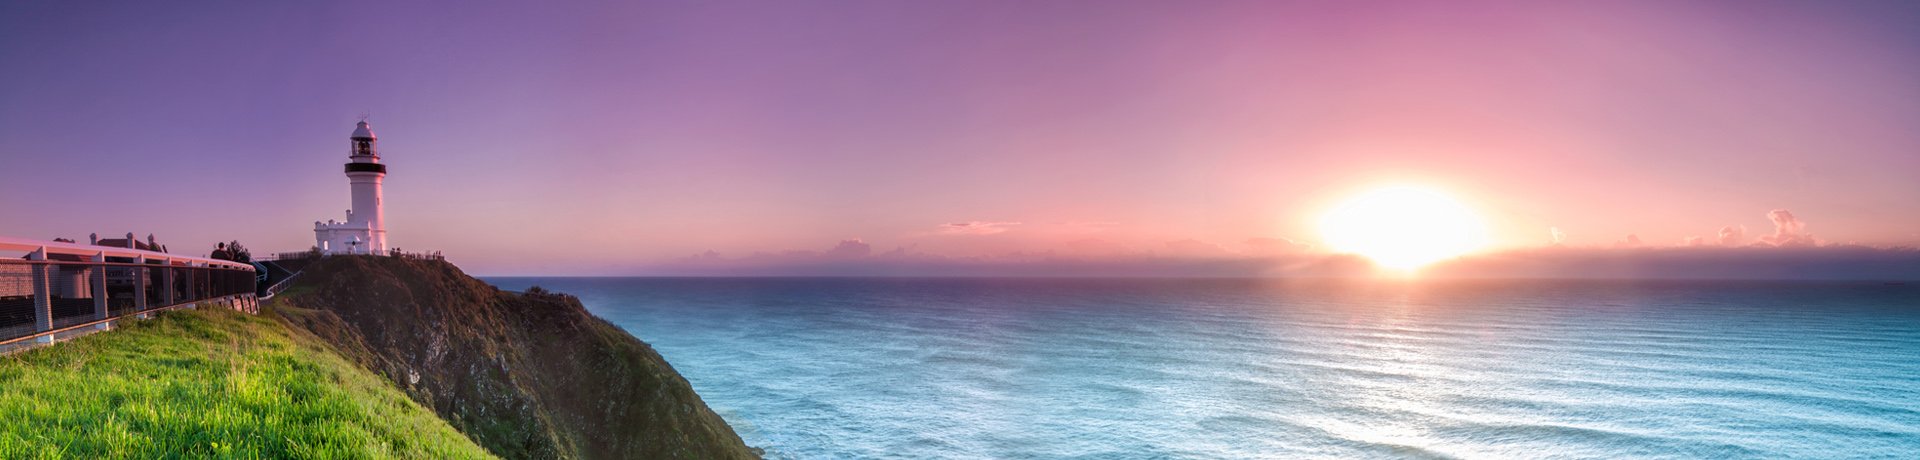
(287, 256)
(275, 289)
(314, 254)
(423, 255)
(60, 287)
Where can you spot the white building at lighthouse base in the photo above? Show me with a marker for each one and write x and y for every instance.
(335, 237)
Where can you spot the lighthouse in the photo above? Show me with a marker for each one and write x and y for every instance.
(365, 229)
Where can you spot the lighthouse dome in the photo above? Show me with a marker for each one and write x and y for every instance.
(363, 131)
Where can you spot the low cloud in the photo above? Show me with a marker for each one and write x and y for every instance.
(848, 249)
(1709, 262)
(1275, 246)
(1733, 235)
(1788, 231)
(976, 228)
(1192, 248)
(1093, 248)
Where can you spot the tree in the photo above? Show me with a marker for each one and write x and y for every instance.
(233, 251)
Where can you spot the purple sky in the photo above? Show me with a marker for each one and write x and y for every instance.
(584, 138)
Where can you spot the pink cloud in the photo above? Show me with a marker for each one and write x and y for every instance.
(1093, 247)
(1195, 249)
(1787, 231)
(1732, 235)
(1090, 223)
(976, 228)
(848, 249)
(1275, 246)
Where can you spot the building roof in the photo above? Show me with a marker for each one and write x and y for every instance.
(363, 131)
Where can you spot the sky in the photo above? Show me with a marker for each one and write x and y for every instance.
(917, 137)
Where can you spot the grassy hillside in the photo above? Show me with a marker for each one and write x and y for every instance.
(526, 375)
(210, 383)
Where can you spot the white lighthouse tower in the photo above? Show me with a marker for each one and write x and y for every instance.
(365, 230)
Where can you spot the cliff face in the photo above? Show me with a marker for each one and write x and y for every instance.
(525, 375)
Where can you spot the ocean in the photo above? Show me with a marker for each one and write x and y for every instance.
(1235, 368)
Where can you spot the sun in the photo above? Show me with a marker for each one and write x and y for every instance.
(1403, 227)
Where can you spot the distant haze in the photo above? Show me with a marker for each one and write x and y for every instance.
(1033, 138)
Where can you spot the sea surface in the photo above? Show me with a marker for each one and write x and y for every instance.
(1182, 368)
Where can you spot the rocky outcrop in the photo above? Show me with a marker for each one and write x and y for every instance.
(527, 375)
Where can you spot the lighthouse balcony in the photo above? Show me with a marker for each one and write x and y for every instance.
(366, 167)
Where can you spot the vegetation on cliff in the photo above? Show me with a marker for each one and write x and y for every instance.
(527, 375)
(210, 383)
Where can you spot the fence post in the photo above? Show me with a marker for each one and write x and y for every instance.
(42, 297)
(167, 280)
(99, 286)
(140, 282)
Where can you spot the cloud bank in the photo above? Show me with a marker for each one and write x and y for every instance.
(1193, 258)
(1788, 252)
(1706, 262)
(1078, 258)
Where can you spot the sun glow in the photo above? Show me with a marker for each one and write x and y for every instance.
(1403, 227)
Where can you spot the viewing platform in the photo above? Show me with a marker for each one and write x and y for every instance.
(55, 290)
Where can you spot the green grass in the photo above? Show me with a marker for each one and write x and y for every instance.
(209, 383)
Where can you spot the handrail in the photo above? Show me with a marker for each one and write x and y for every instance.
(280, 286)
(151, 263)
(55, 247)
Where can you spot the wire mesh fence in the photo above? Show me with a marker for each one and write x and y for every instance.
(16, 300)
(125, 285)
(72, 288)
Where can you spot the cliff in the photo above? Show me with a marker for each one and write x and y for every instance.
(528, 375)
